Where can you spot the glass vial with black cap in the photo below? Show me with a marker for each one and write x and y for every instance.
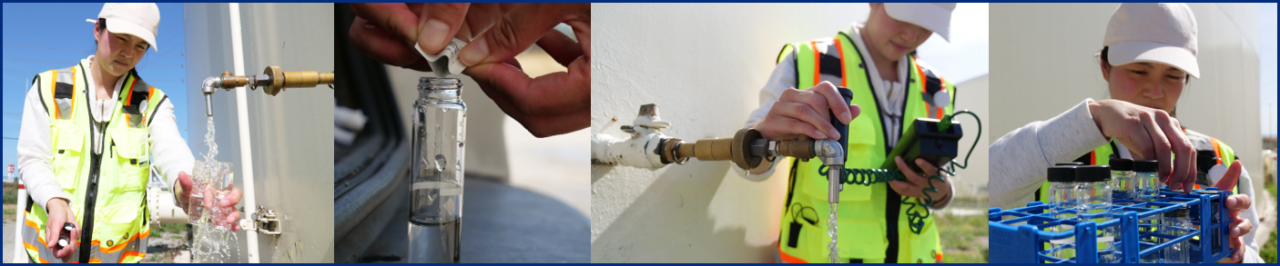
(1093, 192)
(1123, 187)
(1144, 173)
(1148, 189)
(1062, 196)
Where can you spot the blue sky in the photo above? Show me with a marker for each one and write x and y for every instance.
(39, 37)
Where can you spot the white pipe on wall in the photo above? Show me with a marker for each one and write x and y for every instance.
(609, 150)
(242, 120)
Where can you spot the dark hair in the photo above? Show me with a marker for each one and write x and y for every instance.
(102, 25)
(1104, 60)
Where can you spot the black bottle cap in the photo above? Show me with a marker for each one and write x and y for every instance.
(1069, 163)
(1093, 173)
(1062, 173)
(1121, 164)
(1183, 212)
(1146, 166)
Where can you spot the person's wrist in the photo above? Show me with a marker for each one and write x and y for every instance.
(57, 202)
(945, 198)
(178, 191)
(1094, 109)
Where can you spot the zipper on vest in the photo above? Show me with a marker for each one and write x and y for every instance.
(91, 195)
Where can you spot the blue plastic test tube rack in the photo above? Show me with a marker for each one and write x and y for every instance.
(1020, 235)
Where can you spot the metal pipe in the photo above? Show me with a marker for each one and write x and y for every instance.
(207, 88)
(272, 81)
(648, 148)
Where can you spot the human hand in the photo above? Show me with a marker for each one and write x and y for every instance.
(59, 213)
(230, 197)
(917, 182)
(1150, 134)
(1235, 204)
(547, 105)
(387, 32)
(805, 112)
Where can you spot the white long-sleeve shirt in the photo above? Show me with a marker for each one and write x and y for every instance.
(891, 94)
(170, 154)
(1021, 158)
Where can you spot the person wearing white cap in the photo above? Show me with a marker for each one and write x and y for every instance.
(879, 221)
(1148, 57)
(90, 135)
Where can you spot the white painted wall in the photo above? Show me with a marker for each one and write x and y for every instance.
(1046, 65)
(703, 64)
(971, 182)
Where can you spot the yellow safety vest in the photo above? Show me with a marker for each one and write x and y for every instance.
(873, 222)
(108, 190)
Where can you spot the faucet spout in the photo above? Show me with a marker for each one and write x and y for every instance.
(207, 87)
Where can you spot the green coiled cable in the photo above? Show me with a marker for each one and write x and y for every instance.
(867, 177)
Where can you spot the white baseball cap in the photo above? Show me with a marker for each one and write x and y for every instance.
(137, 19)
(1153, 32)
(935, 17)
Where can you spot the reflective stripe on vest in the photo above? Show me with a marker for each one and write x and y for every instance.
(864, 233)
(120, 219)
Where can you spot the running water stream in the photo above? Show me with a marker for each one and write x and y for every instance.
(214, 241)
(831, 231)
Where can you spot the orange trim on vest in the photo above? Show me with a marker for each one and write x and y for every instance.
(788, 258)
(817, 62)
(1093, 158)
(131, 254)
(52, 91)
(924, 84)
(121, 245)
(30, 247)
(1217, 150)
(41, 259)
(128, 95)
(943, 83)
(31, 223)
(844, 81)
(73, 90)
(39, 237)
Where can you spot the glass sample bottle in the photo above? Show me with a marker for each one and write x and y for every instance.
(1094, 196)
(1062, 196)
(1144, 173)
(1177, 223)
(439, 130)
(1148, 189)
(1122, 184)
